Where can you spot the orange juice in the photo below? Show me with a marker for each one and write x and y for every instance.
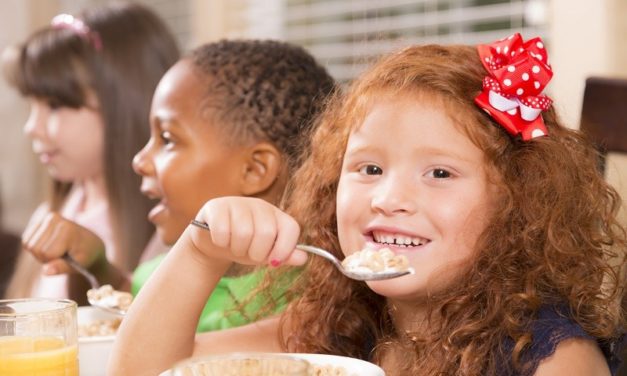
(37, 356)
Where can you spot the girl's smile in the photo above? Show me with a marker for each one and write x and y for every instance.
(46, 157)
(398, 240)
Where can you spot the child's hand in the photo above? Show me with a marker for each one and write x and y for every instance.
(48, 236)
(247, 231)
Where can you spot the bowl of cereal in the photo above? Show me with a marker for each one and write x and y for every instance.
(334, 365)
(96, 333)
(271, 364)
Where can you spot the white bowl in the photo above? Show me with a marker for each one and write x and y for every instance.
(352, 366)
(93, 352)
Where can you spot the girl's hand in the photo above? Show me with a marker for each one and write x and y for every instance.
(48, 236)
(247, 231)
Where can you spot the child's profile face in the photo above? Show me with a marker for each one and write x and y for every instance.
(186, 162)
(69, 142)
(412, 182)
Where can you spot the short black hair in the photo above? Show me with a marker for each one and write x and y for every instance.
(264, 90)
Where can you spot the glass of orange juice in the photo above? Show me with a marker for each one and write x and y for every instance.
(38, 337)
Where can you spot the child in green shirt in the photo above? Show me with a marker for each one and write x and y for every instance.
(230, 119)
(222, 310)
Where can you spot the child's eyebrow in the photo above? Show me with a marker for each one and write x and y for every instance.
(167, 118)
(419, 152)
(435, 151)
(359, 148)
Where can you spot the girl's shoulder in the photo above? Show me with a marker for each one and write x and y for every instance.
(552, 327)
(575, 357)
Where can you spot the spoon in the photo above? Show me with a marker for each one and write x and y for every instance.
(93, 283)
(79, 268)
(357, 275)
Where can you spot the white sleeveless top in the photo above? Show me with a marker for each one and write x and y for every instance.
(97, 221)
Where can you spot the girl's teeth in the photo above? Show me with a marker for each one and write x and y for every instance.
(397, 239)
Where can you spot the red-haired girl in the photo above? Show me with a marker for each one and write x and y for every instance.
(452, 157)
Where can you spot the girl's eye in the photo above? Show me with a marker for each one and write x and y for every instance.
(440, 173)
(166, 137)
(371, 170)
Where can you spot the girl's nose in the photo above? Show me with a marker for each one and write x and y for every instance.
(35, 124)
(142, 163)
(394, 196)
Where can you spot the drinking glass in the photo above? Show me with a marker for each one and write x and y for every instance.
(243, 364)
(38, 337)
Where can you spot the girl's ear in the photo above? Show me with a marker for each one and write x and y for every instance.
(261, 169)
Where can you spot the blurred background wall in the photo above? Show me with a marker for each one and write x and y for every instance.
(584, 38)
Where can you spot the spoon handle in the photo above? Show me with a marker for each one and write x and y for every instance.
(200, 224)
(79, 268)
(320, 252)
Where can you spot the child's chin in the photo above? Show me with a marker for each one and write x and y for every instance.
(396, 288)
(59, 175)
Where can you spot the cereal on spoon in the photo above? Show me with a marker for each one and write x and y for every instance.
(107, 296)
(375, 261)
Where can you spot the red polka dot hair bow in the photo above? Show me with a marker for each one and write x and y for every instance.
(512, 92)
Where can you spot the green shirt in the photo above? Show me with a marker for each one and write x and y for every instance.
(222, 310)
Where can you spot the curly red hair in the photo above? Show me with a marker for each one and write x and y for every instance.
(554, 238)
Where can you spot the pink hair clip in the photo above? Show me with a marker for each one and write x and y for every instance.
(67, 21)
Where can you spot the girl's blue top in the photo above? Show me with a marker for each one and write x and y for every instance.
(551, 327)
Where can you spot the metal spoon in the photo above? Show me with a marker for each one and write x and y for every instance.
(79, 268)
(359, 276)
(93, 282)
